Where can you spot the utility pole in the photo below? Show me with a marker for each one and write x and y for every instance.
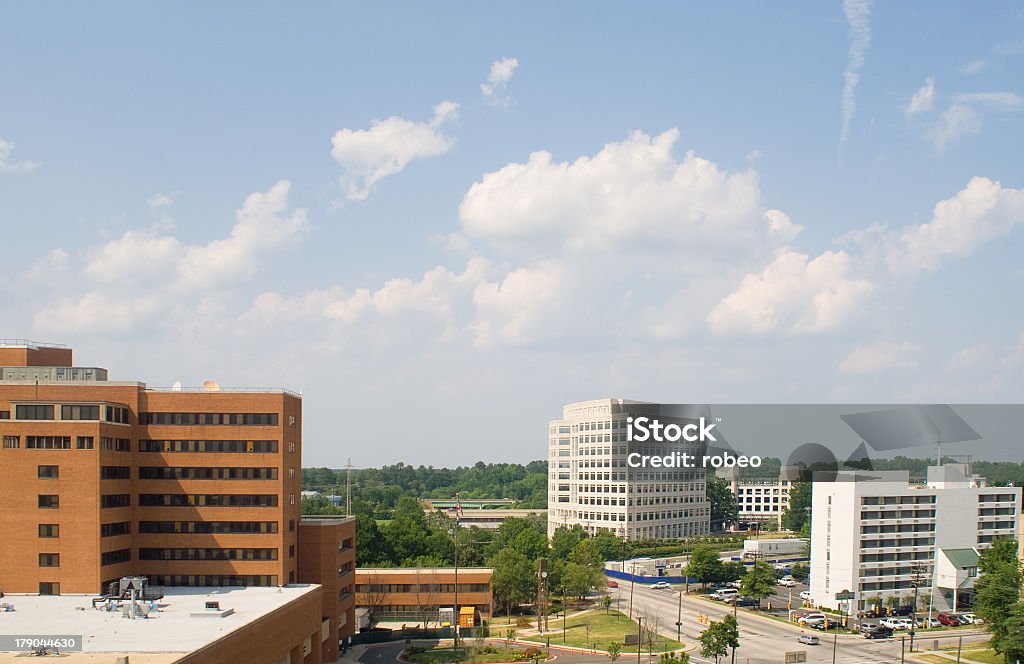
(835, 646)
(639, 638)
(348, 488)
(903, 650)
(735, 617)
(632, 582)
(959, 648)
(917, 578)
(679, 618)
(458, 616)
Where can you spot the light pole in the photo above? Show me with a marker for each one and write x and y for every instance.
(563, 612)
(679, 618)
(639, 638)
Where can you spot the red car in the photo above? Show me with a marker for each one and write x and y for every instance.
(613, 584)
(949, 620)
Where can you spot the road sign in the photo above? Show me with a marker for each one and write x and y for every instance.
(845, 595)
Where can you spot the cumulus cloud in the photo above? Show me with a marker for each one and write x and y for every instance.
(630, 191)
(968, 358)
(149, 260)
(793, 294)
(497, 80)
(367, 156)
(878, 357)
(923, 100)
(980, 212)
(858, 17)
(10, 167)
(519, 308)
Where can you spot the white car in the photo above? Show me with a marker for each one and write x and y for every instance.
(661, 585)
(897, 623)
(788, 582)
(805, 595)
(810, 618)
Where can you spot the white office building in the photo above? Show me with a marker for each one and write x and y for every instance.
(871, 531)
(590, 483)
(759, 500)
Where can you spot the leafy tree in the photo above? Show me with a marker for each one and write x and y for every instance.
(585, 553)
(1010, 641)
(319, 505)
(723, 502)
(371, 547)
(998, 588)
(759, 581)
(564, 540)
(800, 571)
(799, 511)
(674, 658)
(610, 546)
(716, 640)
(513, 580)
(606, 603)
(729, 571)
(614, 650)
(704, 564)
(579, 579)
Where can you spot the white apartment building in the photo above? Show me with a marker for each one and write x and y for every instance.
(869, 530)
(759, 500)
(590, 483)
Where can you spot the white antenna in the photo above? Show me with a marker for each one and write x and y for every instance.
(938, 441)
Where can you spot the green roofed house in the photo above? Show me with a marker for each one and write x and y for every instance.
(955, 573)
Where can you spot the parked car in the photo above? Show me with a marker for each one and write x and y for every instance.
(725, 593)
(809, 640)
(949, 619)
(880, 632)
(969, 617)
(788, 582)
(805, 595)
(661, 585)
(898, 623)
(868, 626)
(742, 601)
(925, 622)
(613, 584)
(810, 617)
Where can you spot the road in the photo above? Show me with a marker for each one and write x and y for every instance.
(762, 640)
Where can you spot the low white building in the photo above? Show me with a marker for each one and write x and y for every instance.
(759, 500)
(873, 534)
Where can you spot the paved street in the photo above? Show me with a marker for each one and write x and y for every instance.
(762, 640)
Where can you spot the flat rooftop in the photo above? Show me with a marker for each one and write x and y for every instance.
(166, 634)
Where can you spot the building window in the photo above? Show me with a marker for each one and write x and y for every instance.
(213, 580)
(48, 442)
(207, 500)
(291, 420)
(115, 557)
(47, 472)
(80, 412)
(203, 473)
(207, 527)
(116, 500)
(115, 444)
(12, 442)
(33, 412)
(49, 560)
(49, 588)
(115, 529)
(291, 525)
(291, 473)
(207, 554)
(216, 446)
(5, 414)
(115, 472)
(291, 551)
(85, 442)
(209, 419)
(291, 448)
(49, 501)
(291, 498)
(49, 530)
(116, 414)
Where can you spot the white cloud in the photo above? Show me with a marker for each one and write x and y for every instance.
(878, 357)
(631, 192)
(367, 156)
(968, 358)
(980, 212)
(858, 16)
(523, 307)
(780, 225)
(498, 78)
(923, 100)
(999, 101)
(155, 270)
(957, 121)
(973, 67)
(793, 294)
(159, 201)
(8, 167)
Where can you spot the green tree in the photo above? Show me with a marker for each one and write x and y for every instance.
(998, 588)
(614, 650)
(319, 505)
(606, 603)
(611, 547)
(799, 511)
(513, 580)
(800, 572)
(723, 502)
(371, 547)
(716, 640)
(564, 540)
(579, 579)
(674, 658)
(1010, 641)
(585, 553)
(758, 582)
(704, 564)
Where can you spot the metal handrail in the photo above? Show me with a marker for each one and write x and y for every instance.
(253, 390)
(28, 343)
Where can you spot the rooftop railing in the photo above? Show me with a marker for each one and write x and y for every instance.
(28, 343)
(250, 390)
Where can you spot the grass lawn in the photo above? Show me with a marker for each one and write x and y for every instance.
(605, 628)
(445, 655)
(988, 656)
(934, 659)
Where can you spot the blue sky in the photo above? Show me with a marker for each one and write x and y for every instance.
(327, 197)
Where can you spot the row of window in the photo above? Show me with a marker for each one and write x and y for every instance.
(199, 473)
(115, 529)
(421, 587)
(64, 443)
(264, 446)
(115, 557)
(207, 554)
(207, 500)
(115, 500)
(213, 579)
(208, 527)
(210, 419)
